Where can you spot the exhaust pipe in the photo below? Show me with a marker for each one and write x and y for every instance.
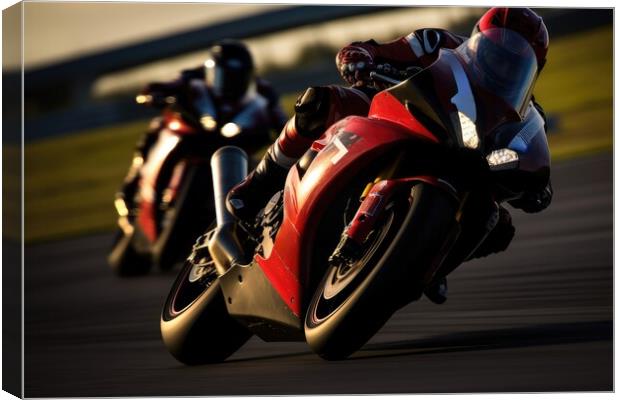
(229, 166)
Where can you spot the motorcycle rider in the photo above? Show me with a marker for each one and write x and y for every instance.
(214, 94)
(319, 107)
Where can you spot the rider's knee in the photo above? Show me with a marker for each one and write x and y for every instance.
(312, 111)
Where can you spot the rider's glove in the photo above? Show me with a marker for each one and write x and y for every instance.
(534, 202)
(354, 62)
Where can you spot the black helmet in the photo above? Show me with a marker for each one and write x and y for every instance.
(229, 69)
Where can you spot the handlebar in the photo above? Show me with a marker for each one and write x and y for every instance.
(377, 77)
(155, 99)
(392, 76)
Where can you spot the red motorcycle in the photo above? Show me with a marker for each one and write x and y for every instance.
(369, 217)
(172, 202)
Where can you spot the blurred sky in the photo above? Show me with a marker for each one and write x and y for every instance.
(58, 30)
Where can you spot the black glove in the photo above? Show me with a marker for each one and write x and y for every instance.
(534, 202)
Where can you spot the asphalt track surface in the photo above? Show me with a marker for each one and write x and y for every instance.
(538, 317)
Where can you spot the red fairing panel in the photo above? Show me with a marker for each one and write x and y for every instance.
(176, 124)
(146, 219)
(346, 148)
(388, 107)
(149, 173)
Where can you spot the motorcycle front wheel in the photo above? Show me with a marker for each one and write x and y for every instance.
(354, 300)
(195, 325)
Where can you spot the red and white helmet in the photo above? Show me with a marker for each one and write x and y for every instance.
(521, 20)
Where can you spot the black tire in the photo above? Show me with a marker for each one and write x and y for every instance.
(186, 218)
(351, 305)
(124, 260)
(195, 325)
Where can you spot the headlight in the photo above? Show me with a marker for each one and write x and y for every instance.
(208, 122)
(174, 125)
(143, 98)
(210, 63)
(230, 129)
(503, 159)
(468, 132)
(121, 207)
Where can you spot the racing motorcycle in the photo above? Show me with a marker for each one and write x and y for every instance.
(172, 202)
(376, 211)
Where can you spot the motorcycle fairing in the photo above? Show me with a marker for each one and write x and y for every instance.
(419, 104)
(347, 147)
(150, 172)
(432, 98)
(174, 122)
(253, 301)
(441, 96)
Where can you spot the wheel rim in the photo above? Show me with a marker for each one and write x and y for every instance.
(341, 280)
(195, 279)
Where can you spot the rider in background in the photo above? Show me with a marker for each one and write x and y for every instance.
(213, 94)
(319, 107)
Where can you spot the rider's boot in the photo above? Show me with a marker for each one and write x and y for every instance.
(437, 292)
(499, 238)
(500, 233)
(247, 198)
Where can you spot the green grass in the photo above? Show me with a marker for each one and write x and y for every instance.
(11, 199)
(71, 180)
(576, 86)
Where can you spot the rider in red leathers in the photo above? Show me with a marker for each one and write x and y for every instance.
(319, 107)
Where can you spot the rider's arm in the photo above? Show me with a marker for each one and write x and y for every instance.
(532, 177)
(419, 48)
(158, 91)
(540, 110)
(536, 200)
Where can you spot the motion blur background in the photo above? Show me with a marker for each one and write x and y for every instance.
(84, 63)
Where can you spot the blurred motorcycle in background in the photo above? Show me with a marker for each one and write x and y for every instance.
(167, 200)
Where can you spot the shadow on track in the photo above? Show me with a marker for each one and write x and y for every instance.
(534, 335)
(529, 336)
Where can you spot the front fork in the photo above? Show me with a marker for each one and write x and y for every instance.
(379, 194)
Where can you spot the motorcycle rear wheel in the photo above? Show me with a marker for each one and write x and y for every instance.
(350, 305)
(195, 325)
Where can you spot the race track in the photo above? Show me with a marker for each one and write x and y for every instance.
(535, 318)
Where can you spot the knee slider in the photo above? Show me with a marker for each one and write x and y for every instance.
(312, 111)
